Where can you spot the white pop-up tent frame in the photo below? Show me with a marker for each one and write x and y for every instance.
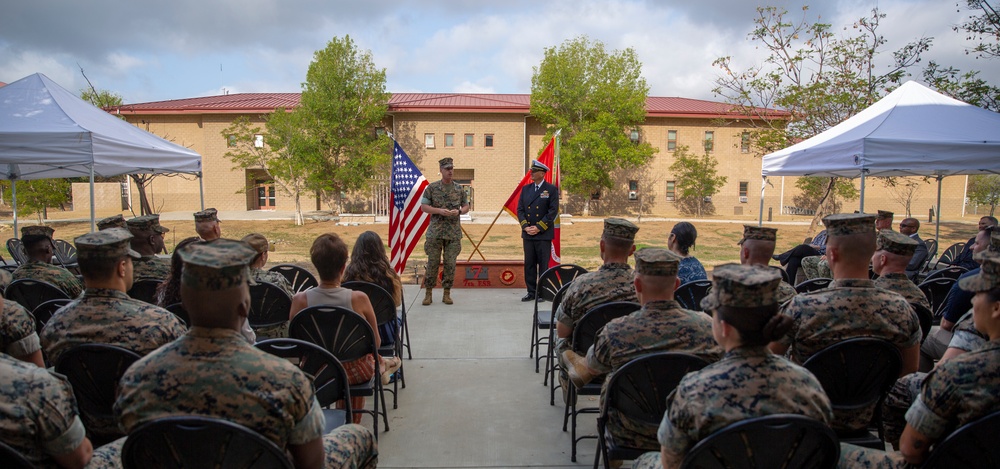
(47, 132)
(913, 131)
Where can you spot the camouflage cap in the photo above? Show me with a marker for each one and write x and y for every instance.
(146, 224)
(209, 214)
(110, 243)
(620, 228)
(658, 262)
(37, 230)
(895, 242)
(761, 233)
(446, 163)
(743, 286)
(538, 166)
(884, 215)
(116, 221)
(845, 224)
(258, 242)
(218, 265)
(988, 277)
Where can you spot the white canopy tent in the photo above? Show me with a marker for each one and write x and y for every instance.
(913, 131)
(48, 132)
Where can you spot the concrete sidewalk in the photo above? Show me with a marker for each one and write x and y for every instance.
(472, 398)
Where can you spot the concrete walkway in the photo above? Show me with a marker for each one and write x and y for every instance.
(472, 398)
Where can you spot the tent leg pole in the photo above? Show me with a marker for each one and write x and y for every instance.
(760, 214)
(937, 226)
(201, 188)
(93, 226)
(862, 207)
(13, 200)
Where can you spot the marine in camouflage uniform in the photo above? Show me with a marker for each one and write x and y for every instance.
(38, 415)
(18, 336)
(40, 268)
(660, 326)
(748, 382)
(115, 221)
(257, 274)
(815, 267)
(444, 234)
(264, 393)
(756, 248)
(849, 308)
(898, 282)
(148, 241)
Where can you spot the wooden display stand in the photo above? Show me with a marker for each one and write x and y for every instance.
(488, 274)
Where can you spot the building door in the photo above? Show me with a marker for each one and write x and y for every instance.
(470, 192)
(265, 195)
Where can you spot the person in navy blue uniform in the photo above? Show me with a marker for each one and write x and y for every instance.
(536, 211)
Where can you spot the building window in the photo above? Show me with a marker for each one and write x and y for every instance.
(449, 140)
(488, 140)
(469, 140)
(634, 136)
(231, 141)
(671, 140)
(745, 142)
(258, 141)
(744, 189)
(671, 188)
(428, 140)
(709, 140)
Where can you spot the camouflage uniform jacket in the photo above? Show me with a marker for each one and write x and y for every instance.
(785, 292)
(18, 337)
(151, 267)
(899, 283)
(105, 316)
(451, 196)
(57, 276)
(38, 415)
(247, 386)
(748, 382)
(612, 282)
(5, 279)
(966, 336)
(849, 308)
(274, 278)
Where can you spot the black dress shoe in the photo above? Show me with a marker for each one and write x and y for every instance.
(528, 297)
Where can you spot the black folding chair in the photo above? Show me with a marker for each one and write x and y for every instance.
(348, 336)
(949, 254)
(784, 274)
(856, 374)
(202, 443)
(584, 334)
(13, 459)
(385, 312)
(269, 306)
(180, 312)
(44, 311)
(638, 391)
(780, 440)
(936, 290)
(300, 279)
(953, 271)
(971, 445)
(813, 284)
(690, 294)
(548, 285)
(31, 293)
(932, 246)
(144, 289)
(94, 371)
(328, 376)
(551, 362)
(65, 254)
(17, 252)
(926, 319)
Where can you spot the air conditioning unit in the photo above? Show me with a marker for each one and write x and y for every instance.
(743, 200)
(633, 195)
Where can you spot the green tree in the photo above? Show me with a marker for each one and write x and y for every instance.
(276, 152)
(818, 78)
(597, 98)
(36, 196)
(697, 181)
(101, 98)
(983, 27)
(813, 189)
(343, 102)
(984, 189)
(967, 86)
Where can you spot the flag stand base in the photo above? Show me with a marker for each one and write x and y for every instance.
(489, 274)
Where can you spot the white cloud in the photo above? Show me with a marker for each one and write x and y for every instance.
(469, 87)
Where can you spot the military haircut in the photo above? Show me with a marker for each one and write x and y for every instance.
(329, 255)
(616, 244)
(99, 268)
(854, 248)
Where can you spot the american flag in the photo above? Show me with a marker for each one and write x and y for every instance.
(407, 222)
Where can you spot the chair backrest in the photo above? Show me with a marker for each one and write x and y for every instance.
(65, 252)
(856, 373)
(13, 459)
(971, 445)
(202, 443)
(328, 375)
(144, 289)
(269, 305)
(953, 271)
(813, 284)
(44, 311)
(639, 389)
(300, 279)
(950, 254)
(690, 294)
(932, 246)
(784, 275)
(555, 277)
(180, 312)
(17, 252)
(780, 440)
(936, 290)
(94, 371)
(340, 331)
(925, 317)
(593, 321)
(30, 293)
(382, 302)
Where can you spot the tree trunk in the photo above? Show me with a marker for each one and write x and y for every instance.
(144, 207)
(820, 207)
(298, 209)
(586, 207)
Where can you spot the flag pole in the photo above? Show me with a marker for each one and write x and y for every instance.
(475, 246)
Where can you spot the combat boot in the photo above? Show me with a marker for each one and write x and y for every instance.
(446, 299)
(427, 298)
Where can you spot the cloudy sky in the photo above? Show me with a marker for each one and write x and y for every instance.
(150, 51)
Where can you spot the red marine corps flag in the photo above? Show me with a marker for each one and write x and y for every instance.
(407, 222)
(548, 158)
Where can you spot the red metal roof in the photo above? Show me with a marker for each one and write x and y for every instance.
(223, 104)
(456, 102)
